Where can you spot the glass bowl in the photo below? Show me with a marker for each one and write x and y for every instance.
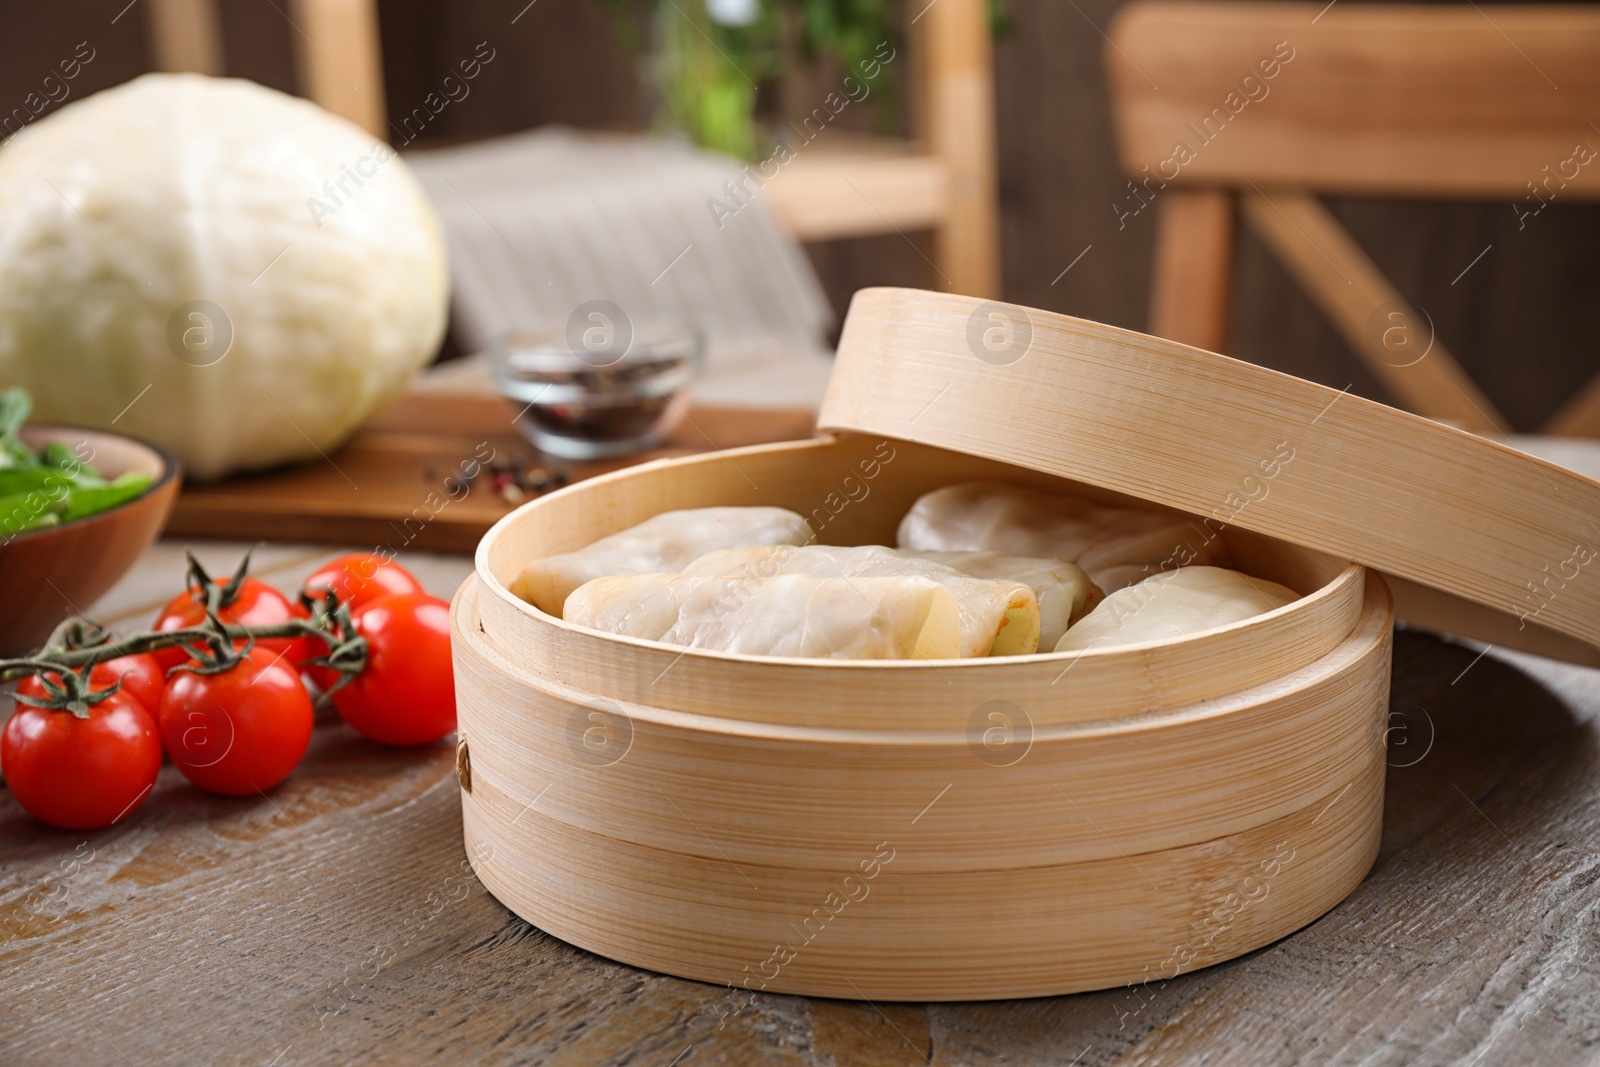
(597, 394)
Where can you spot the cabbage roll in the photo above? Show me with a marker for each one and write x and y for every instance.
(657, 546)
(903, 617)
(1064, 591)
(1183, 601)
(1117, 546)
(999, 617)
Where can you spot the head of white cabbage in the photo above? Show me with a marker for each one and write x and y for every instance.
(216, 267)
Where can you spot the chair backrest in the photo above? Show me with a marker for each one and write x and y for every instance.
(338, 55)
(1223, 106)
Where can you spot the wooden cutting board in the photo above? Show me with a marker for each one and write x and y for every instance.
(395, 484)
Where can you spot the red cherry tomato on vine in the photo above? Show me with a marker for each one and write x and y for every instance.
(141, 676)
(238, 732)
(362, 577)
(407, 694)
(81, 774)
(257, 604)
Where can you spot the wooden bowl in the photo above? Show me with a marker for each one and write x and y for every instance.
(958, 829)
(47, 574)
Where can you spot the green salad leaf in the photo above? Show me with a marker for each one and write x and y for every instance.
(120, 490)
(16, 481)
(52, 486)
(15, 407)
(56, 454)
(20, 512)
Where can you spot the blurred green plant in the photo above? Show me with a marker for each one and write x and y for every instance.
(711, 58)
(709, 72)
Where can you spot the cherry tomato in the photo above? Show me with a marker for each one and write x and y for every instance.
(141, 676)
(258, 604)
(362, 577)
(81, 774)
(238, 732)
(406, 695)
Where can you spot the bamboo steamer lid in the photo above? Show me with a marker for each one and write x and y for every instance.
(1476, 538)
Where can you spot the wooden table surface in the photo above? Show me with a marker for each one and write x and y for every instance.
(338, 920)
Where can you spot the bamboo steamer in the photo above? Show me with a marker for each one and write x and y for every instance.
(675, 856)
(963, 829)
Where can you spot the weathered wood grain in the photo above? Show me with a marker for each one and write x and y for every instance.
(332, 922)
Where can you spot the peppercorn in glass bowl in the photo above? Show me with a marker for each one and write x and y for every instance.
(602, 387)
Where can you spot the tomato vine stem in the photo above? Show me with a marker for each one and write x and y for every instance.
(79, 644)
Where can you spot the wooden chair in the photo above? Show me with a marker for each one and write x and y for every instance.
(839, 187)
(1479, 102)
